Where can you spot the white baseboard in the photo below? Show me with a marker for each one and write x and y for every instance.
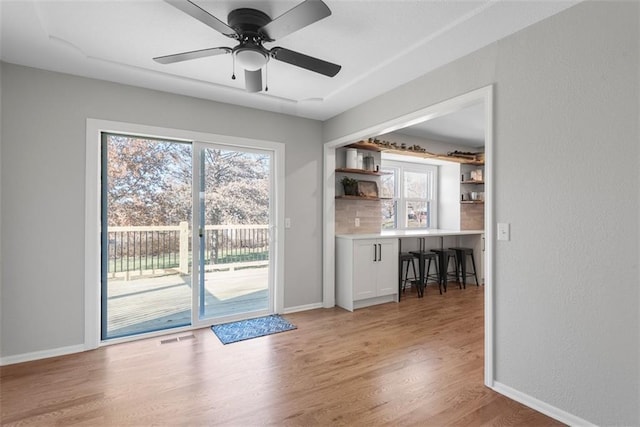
(36, 355)
(303, 308)
(540, 406)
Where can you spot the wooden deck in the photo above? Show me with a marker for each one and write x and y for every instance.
(153, 303)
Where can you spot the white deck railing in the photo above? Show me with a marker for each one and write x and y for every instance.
(143, 250)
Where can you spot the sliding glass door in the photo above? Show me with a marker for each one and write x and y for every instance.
(234, 209)
(146, 223)
(155, 193)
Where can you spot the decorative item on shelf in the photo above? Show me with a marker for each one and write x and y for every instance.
(350, 186)
(368, 189)
(360, 161)
(474, 196)
(476, 175)
(352, 158)
(368, 163)
(466, 156)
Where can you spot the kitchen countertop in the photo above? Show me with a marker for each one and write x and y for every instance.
(396, 234)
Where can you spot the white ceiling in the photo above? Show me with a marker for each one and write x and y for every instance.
(463, 127)
(381, 44)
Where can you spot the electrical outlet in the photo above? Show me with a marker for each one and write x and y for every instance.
(357, 222)
(287, 223)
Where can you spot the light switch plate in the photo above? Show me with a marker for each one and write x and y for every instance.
(287, 223)
(503, 231)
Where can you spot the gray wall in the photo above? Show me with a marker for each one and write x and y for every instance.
(43, 174)
(566, 172)
(566, 178)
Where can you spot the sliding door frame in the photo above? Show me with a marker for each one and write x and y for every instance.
(198, 173)
(92, 297)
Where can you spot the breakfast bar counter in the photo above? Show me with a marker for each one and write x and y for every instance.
(367, 264)
(399, 234)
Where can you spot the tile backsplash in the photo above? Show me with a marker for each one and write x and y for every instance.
(472, 217)
(368, 212)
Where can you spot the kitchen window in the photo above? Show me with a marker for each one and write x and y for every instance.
(410, 196)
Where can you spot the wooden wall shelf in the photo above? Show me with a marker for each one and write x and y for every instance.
(365, 145)
(361, 198)
(361, 171)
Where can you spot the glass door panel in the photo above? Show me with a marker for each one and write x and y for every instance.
(146, 233)
(235, 215)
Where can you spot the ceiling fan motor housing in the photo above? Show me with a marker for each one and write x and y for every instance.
(247, 22)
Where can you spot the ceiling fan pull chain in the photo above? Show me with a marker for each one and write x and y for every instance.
(266, 77)
(233, 73)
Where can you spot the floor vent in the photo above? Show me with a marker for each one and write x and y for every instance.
(176, 339)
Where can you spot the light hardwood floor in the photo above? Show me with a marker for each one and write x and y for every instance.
(419, 362)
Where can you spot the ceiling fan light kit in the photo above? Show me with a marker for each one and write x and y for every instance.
(251, 28)
(250, 59)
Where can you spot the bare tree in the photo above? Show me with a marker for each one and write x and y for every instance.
(149, 183)
(236, 187)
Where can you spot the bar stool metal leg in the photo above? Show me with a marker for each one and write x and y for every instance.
(435, 263)
(473, 263)
(462, 254)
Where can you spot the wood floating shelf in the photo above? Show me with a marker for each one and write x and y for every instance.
(364, 145)
(362, 171)
(472, 202)
(344, 197)
(472, 182)
(476, 160)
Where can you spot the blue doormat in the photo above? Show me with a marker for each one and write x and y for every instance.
(251, 328)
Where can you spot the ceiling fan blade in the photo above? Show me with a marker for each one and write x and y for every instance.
(303, 61)
(306, 13)
(203, 16)
(194, 54)
(253, 80)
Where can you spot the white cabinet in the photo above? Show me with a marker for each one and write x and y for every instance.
(366, 272)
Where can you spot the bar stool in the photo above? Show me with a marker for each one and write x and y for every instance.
(423, 256)
(444, 256)
(461, 254)
(407, 258)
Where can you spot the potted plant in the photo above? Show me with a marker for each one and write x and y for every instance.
(350, 186)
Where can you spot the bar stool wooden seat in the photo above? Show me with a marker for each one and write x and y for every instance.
(406, 257)
(462, 253)
(425, 275)
(444, 256)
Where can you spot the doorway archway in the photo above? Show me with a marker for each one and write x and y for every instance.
(483, 95)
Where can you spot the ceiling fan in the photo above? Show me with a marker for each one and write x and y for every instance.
(251, 28)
